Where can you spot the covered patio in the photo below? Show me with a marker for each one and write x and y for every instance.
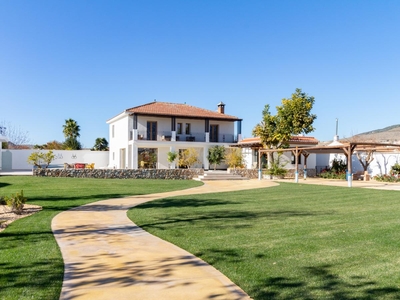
(348, 149)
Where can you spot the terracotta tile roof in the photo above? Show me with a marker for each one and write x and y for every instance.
(178, 110)
(295, 140)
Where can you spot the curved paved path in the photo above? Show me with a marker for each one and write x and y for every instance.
(106, 256)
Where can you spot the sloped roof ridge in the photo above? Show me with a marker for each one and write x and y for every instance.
(146, 104)
(214, 114)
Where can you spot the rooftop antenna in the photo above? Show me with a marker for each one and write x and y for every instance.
(336, 137)
(337, 124)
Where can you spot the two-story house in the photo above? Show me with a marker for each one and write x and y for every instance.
(142, 136)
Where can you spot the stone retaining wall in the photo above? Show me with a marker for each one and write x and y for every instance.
(176, 174)
(248, 173)
(253, 173)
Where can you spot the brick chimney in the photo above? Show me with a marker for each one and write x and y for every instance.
(221, 107)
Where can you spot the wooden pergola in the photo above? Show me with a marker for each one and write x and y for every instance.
(336, 147)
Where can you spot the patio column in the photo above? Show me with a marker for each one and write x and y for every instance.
(205, 159)
(134, 156)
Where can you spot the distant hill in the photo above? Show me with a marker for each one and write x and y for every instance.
(390, 134)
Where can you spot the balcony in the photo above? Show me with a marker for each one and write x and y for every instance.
(223, 138)
(166, 136)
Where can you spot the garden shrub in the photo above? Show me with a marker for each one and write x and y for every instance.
(387, 178)
(337, 171)
(16, 202)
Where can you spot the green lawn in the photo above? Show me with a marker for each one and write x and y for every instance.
(293, 241)
(31, 265)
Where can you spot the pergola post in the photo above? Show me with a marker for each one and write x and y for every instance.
(349, 167)
(305, 154)
(259, 165)
(349, 152)
(296, 171)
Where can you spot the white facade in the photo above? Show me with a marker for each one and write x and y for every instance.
(131, 133)
(17, 160)
(251, 159)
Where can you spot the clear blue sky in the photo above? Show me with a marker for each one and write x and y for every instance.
(90, 60)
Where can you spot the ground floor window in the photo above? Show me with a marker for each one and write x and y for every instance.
(147, 158)
(293, 159)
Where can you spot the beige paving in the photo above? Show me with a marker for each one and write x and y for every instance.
(107, 256)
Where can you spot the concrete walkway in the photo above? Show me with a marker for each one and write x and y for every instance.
(107, 256)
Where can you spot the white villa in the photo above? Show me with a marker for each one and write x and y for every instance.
(142, 136)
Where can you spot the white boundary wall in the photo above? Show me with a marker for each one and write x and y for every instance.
(381, 165)
(14, 160)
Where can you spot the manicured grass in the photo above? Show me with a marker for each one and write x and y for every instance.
(31, 266)
(292, 241)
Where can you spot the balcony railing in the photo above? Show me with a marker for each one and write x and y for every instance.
(223, 138)
(193, 137)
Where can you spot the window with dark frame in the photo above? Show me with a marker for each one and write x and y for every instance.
(151, 131)
(187, 128)
(294, 160)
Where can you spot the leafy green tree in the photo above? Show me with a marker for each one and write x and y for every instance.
(40, 159)
(171, 157)
(71, 132)
(188, 157)
(215, 155)
(100, 144)
(234, 157)
(72, 144)
(52, 145)
(293, 117)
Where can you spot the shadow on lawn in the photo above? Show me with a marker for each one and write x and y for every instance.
(184, 202)
(41, 278)
(57, 203)
(3, 184)
(322, 284)
(224, 215)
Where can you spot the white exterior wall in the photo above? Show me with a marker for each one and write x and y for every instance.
(250, 160)
(14, 160)
(381, 164)
(119, 137)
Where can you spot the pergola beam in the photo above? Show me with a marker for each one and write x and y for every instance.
(346, 148)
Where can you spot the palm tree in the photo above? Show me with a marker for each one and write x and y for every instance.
(71, 129)
(71, 132)
(101, 144)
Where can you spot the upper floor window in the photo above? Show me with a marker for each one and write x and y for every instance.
(151, 130)
(187, 128)
(179, 128)
(112, 130)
